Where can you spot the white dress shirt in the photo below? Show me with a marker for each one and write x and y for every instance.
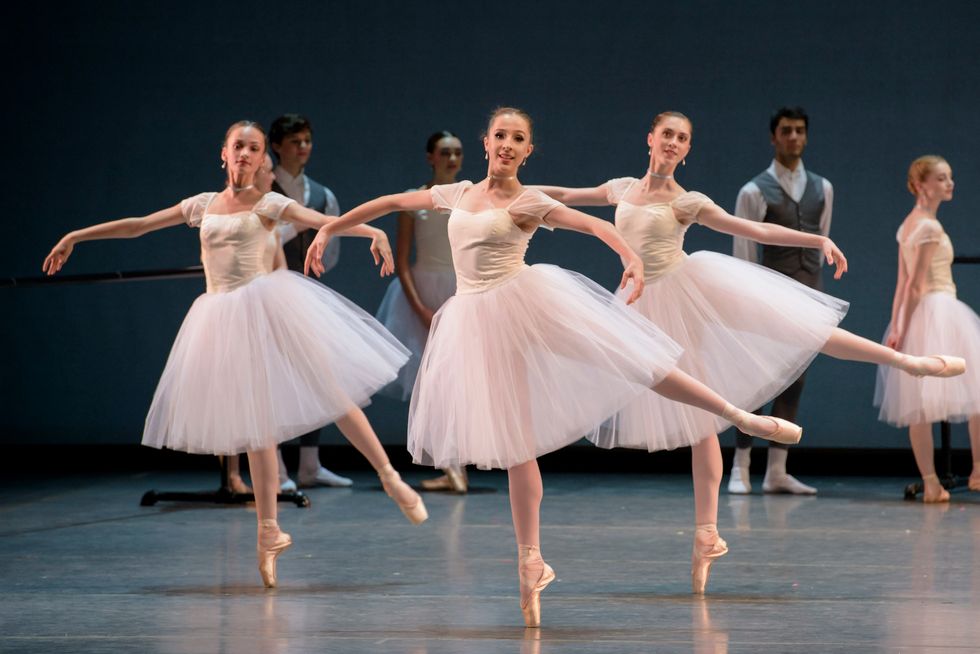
(297, 189)
(751, 205)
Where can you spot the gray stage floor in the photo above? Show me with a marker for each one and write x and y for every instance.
(85, 569)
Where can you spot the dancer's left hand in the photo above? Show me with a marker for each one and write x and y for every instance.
(835, 257)
(314, 255)
(381, 251)
(634, 272)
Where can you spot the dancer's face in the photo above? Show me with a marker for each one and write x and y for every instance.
(508, 144)
(264, 176)
(447, 157)
(670, 141)
(243, 152)
(938, 184)
(789, 139)
(295, 149)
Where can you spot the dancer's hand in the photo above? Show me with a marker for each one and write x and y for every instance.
(834, 257)
(426, 315)
(894, 339)
(314, 254)
(634, 272)
(381, 250)
(58, 256)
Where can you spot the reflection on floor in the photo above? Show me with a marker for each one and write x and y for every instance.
(85, 569)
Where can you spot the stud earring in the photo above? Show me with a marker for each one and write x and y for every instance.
(524, 163)
(486, 155)
(650, 151)
(683, 162)
(224, 165)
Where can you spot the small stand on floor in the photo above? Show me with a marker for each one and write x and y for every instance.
(945, 473)
(224, 495)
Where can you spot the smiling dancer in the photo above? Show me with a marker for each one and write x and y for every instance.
(265, 354)
(524, 360)
(746, 331)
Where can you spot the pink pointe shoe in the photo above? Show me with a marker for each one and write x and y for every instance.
(411, 503)
(706, 550)
(926, 366)
(933, 498)
(271, 543)
(535, 576)
(973, 483)
(767, 427)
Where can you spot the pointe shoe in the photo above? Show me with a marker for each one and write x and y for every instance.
(440, 483)
(703, 555)
(973, 483)
(767, 427)
(923, 366)
(938, 498)
(535, 575)
(414, 508)
(237, 485)
(271, 543)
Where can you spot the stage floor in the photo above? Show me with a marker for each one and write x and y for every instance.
(86, 569)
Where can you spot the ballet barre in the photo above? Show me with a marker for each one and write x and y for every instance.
(223, 495)
(945, 473)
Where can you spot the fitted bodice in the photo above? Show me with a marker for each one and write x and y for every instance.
(432, 248)
(939, 276)
(655, 231)
(487, 245)
(235, 247)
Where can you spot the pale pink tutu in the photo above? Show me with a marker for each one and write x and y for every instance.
(434, 288)
(747, 332)
(941, 324)
(263, 363)
(527, 367)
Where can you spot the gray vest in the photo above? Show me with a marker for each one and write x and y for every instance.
(803, 216)
(295, 249)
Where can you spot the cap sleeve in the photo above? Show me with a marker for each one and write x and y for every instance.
(272, 205)
(688, 205)
(927, 231)
(193, 208)
(445, 197)
(534, 203)
(616, 188)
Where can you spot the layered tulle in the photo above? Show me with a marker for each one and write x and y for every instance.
(266, 362)
(434, 288)
(941, 324)
(529, 366)
(747, 333)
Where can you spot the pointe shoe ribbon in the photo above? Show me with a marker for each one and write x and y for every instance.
(703, 555)
(529, 556)
(770, 428)
(271, 543)
(413, 509)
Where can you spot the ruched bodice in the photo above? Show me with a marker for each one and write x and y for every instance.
(939, 276)
(655, 231)
(487, 245)
(235, 247)
(432, 248)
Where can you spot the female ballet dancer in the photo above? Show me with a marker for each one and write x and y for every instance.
(525, 360)
(747, 332)
(264, 355)
(421, 288)
(926, 316)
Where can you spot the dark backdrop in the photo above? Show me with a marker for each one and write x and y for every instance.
(118, 109)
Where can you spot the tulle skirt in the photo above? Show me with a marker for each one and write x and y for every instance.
(527, 367)
(263, 363)
(747, 332)
(941, 324)
(434, 288)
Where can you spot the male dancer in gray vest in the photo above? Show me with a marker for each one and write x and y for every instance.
(789, 195)
(291, 139)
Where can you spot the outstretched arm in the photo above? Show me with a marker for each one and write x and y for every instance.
(123, 228)
(577, 197)
(713, 216)
(411, 201)
(911, 293)
(380, 247)
(582, 222)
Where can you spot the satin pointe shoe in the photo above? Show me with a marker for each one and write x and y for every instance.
(271, 543)
(973, 483)
(926, 366)
(457, 480)
(535, 575)
(237, 485)
(767, 427)
(711, 547)
(933, 498)
(440, 483)
(413, 507)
